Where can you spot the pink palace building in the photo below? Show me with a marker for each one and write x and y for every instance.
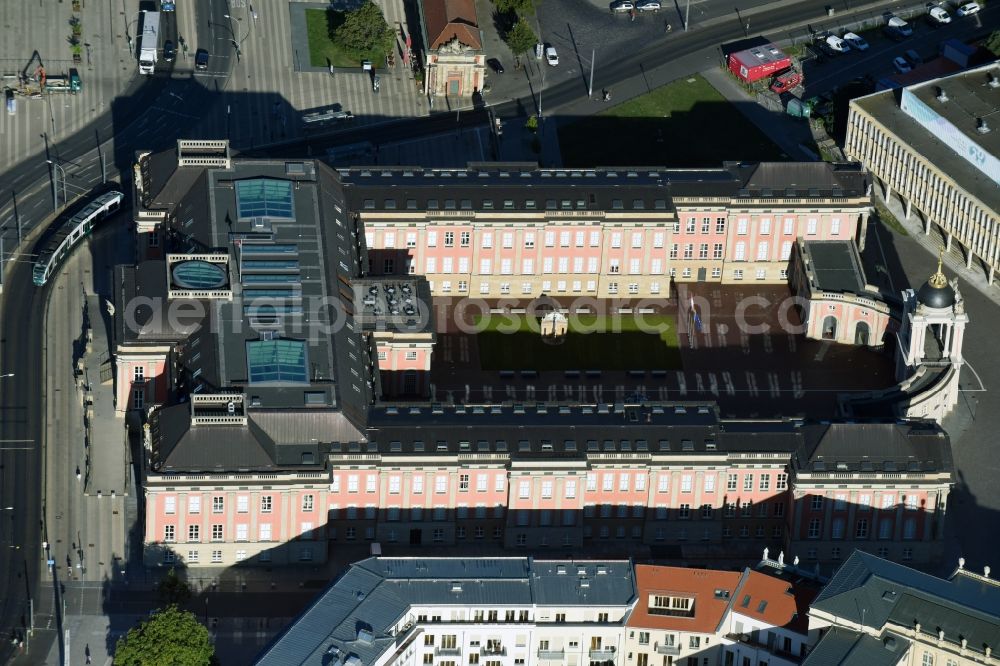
(280, 301)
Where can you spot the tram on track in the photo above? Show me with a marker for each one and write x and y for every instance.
(54, 248)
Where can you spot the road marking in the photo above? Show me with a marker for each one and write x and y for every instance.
(176, 113)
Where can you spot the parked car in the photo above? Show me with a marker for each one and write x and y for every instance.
(551, 56)
(622, 6)
(201, 59)
(169, 51)
(899, 62)
(913, 57)
(938, 15)
(901, 26)
(648, 6)
(893, 33)
(856, 41)
(495, 65)
(837, 44)
(968, 9)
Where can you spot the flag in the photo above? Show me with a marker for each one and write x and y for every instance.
(697, 319)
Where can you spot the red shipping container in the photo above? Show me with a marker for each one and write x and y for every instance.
(758, 63)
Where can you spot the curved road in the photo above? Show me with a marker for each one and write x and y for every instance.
(151, 114)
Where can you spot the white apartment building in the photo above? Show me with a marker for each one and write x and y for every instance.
(452, 612)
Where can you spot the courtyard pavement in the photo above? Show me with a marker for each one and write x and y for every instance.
(766, 371)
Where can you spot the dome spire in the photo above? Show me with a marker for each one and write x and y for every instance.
(938, 280)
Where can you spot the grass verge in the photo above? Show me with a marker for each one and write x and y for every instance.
(889, 220)
(324, 51)
(625, 342)
(687, 123)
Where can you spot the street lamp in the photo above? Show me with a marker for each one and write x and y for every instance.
(238, 44)
(55, 188)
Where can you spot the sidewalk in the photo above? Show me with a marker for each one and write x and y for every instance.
(792, 135)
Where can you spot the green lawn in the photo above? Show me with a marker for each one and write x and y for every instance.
(627, 342)
(686, 123)
(323, 51)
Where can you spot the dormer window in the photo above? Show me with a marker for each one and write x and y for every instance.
(661, 604)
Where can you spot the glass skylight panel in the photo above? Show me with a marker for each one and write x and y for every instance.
(276, 361)
(264, 197)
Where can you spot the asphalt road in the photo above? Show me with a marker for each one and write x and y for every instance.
(21, 396)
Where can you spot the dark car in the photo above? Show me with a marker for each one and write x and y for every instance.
(495, 65)
(201, 59)
(169, 51)
(893, 34)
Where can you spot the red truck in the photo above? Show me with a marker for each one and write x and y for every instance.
(785, 81)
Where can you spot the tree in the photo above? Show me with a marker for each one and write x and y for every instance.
(521, 38)
(170, 636)
(364, 30)
(993, 43)
(173, 590)
(519, 7)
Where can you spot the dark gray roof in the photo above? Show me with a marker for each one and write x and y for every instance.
(871, 591)
(302, 221)
(271, 439)
(843, 647)
(801, 179)
(512, 186)
(376, 594)
(874, 447)
(833, 265)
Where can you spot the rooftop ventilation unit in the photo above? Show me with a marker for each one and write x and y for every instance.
(942, 96)
(994, 81)
(981, 126)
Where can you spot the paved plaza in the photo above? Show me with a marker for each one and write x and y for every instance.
(35, 34)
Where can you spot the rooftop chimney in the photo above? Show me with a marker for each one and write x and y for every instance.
(942, 96)
(994, 81)
(981, 126)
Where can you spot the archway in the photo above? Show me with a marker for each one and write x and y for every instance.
(862, 333)
(830, 328)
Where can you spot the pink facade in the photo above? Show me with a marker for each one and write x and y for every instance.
(563, 256)
(142, 380)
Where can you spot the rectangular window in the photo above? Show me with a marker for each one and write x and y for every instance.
(194, 532)
(786, 250)
(216, 532)
(529, 239)
(449, 239)
(616, 239)
(731, 481)
(861, 529)
(765, 482)
(811, 226)
(595, 238)
(579, 239)
(500, 483)
(170, 504)
(265, 504)
(782, 483)
(570, 489)
(684, 512)
(640, 481)
(720, 225)
(194, 503)
(762, 248)
(487, 240)
(686, 483)
(563, 239)
(169, 534)
(485, 266)
(464, 238)
(242, 531)
(547, 489)
(394, 485)
(703, 251)
(741, 252)
(192, 556)
(765, 226)
(440, 484)
(524, 489)
(748, 482)
(709, 484)
(741, 226)
(265, 532)
(835, 226)
(623, 482)
(432, 239)
(307, 502)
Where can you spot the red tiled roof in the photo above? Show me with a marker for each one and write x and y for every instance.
(787, 605)
(450, 19)
(700, 584)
